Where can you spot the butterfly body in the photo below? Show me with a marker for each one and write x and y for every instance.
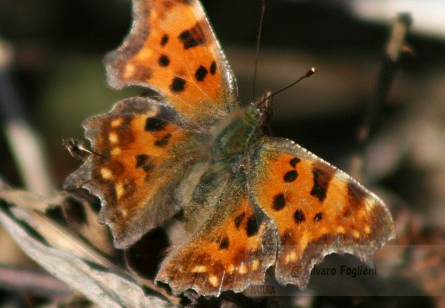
(238, 132)
(250, 201)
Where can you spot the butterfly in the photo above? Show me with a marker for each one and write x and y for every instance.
(250, 201)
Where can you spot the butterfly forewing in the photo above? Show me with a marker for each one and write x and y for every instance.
(142, 149)
(172, 49)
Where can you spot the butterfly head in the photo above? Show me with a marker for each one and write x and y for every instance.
(263, 106)
(263, 109)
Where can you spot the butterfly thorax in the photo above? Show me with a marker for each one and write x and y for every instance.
(242, 128)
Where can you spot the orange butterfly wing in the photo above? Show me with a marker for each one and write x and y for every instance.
(316, 208)
(141, 151)
(172, 50)
(230, 251)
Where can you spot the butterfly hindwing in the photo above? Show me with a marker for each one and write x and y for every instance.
(230, 251)
(316, 208)
(172, 50)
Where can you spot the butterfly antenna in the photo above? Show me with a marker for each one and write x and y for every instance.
(308, 74)
(258, 43)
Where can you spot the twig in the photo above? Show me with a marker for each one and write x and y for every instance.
(23, 141)
(34, 281)
(387, 73)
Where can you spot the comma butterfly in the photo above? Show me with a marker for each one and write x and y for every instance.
(250, 201)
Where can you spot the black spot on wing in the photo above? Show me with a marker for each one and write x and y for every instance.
(146, 163)
(253, 225)
(162, 142)
(290, 176)
(299, 216)
(294, 161)
(318, 216)
(201, 73)
(239, 219)
(164, 40)
(155, 124)
(322, 177)
(279, 202)
(164, 61)
(224, 243)
(192, 37)
(177, 85)
(141, 160)
(213, 68)
(356, 195)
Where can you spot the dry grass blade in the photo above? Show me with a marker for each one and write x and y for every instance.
(24, 142)
(69, 259)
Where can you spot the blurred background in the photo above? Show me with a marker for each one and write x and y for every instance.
(57, 71)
